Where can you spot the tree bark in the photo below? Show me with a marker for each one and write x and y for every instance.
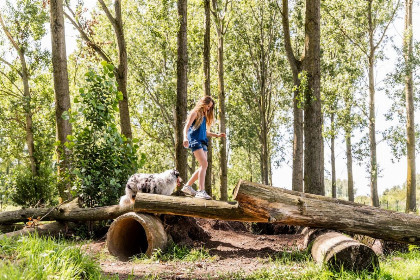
(221, 31)
(64, 214)
(222, 118)
(181, 90)
(61, 89)
(296, 66)
(148, 203)
(295, 208)
(372, 119)
(410, 126)
(50, 229)
(314, 152)
(206, 90)
(350, 187)
(333, 179)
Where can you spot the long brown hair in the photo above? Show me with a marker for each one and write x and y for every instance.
(199, 109)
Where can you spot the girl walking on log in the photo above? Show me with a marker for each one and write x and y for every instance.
(196, 130)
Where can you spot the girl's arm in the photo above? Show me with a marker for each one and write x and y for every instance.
(190, 119)
(211, 134)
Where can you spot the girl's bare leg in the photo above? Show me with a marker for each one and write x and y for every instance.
(200, 173)
(193, 178)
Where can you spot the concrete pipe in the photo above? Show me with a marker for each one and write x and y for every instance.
(135, 233)
(340, 251)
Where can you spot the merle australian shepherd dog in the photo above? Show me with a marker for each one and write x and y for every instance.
(159, 183)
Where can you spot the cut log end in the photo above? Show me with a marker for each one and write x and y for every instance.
(135, 233)
(340, 251)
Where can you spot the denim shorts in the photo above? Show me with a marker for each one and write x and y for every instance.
(196, 145)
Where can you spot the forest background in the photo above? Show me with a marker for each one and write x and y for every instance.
(254, 37)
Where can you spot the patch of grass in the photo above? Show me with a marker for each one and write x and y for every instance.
(299, 266)
(403, 265)
(176, 252)
(32, 257)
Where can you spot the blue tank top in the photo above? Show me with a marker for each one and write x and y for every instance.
(199, 134)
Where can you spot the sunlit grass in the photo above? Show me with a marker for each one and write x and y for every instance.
(299, 266)
(33, 257)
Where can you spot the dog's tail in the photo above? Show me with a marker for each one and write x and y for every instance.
(125, 200)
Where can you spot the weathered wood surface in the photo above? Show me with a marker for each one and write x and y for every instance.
(340, 251)
(51, 229)
(147, 203)
(272, 204)
(193, 207)
(64, 213)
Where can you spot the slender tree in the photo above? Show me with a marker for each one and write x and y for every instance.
(20, 48)
(181, 96)
(333, 176)
(296, 67)
(349, 158)
(61, 87)
(121, 67)
(411, 141)
(206, 87)
(221, 22)
(378, 17)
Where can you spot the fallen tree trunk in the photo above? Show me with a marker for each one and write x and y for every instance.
(148, 203)
(295, 208)
(192, 207)
(340, 251)
(51, 229)
(64, 213)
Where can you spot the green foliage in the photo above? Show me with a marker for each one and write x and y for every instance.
(45, 258)
(103, 159)
(302, 89)
(29, 190)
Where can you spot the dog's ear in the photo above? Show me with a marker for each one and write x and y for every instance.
(131, 185)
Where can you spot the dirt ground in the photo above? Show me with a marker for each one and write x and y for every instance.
(233, 247)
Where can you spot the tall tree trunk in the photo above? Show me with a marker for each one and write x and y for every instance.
(206, 88)
(333, 179)
(350, 187)
(411, 141)
(222, 118)
(61, 88)
(181, 89)
(221, 30)
(28, 116)
(264, 149)
(372, 118)
(26, 100)
(314, 157)
(296, 66)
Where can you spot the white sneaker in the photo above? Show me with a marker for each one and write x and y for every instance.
(188, 190)
(202, 194)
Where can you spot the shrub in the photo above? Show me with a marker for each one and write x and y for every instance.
(29, 190)
(103, 159)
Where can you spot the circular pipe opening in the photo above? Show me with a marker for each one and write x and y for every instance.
(135, 233)
(129, 239)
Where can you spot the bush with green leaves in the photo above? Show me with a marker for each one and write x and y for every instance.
(29, 190)
(102, 158)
